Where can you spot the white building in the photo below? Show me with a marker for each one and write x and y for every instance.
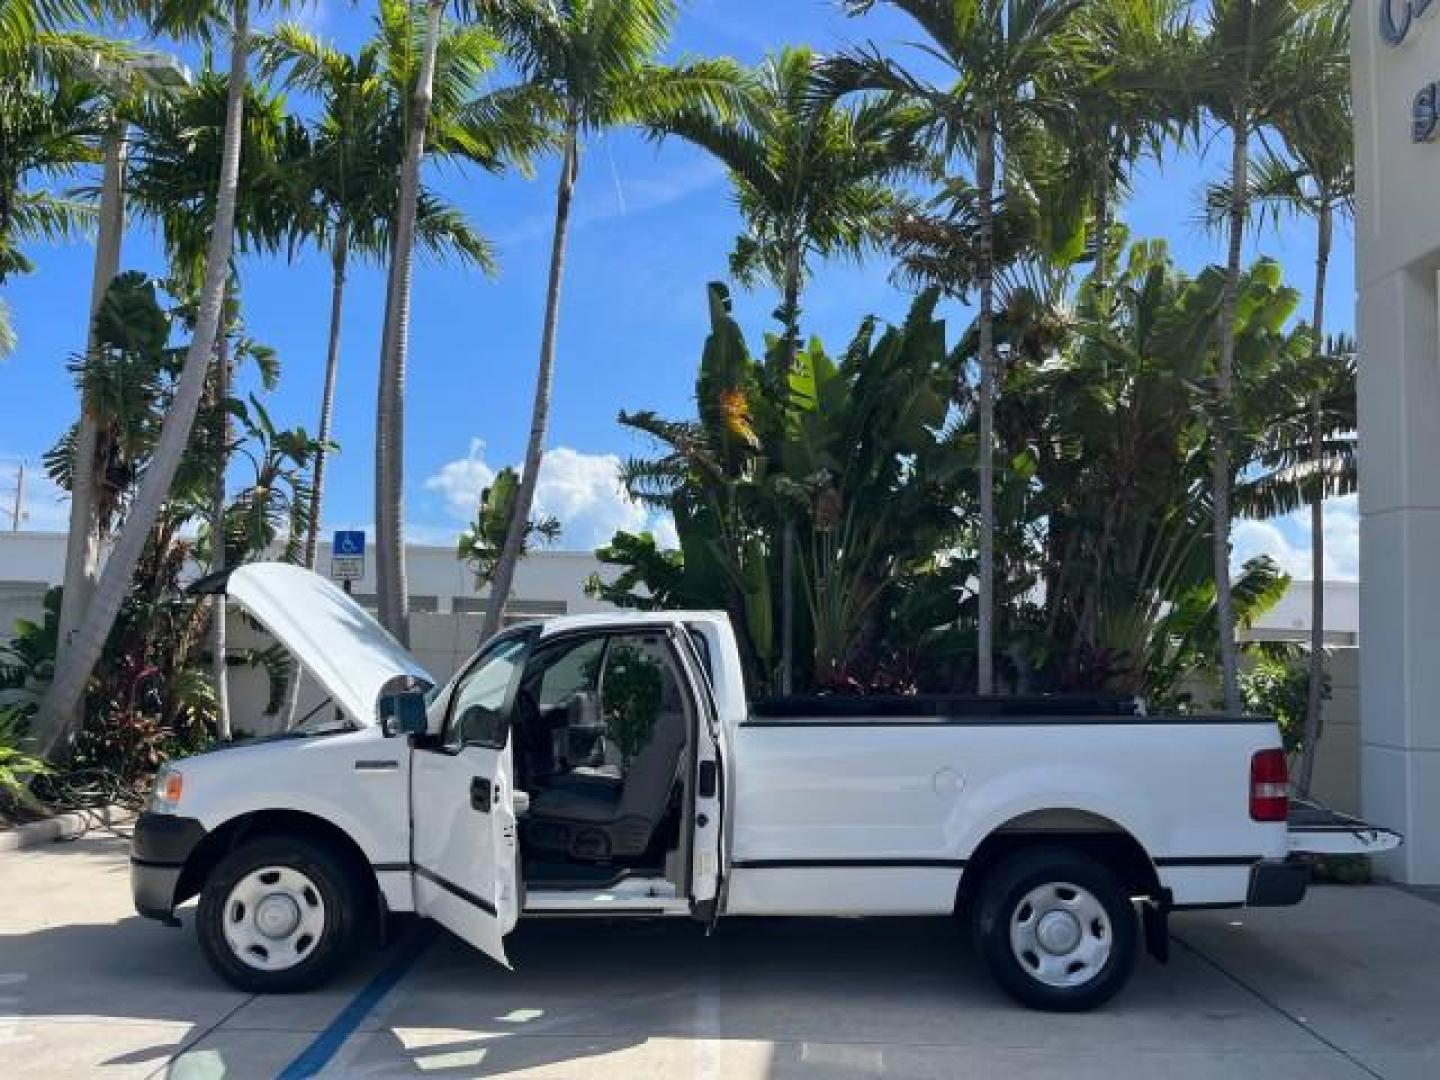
(546, 582)
(445, 609)
(1396, 71)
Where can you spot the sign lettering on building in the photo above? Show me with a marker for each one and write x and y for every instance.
(1427, 114)
(1396, 19)
(1397, 16)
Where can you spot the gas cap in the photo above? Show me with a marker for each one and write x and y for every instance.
(947, 783)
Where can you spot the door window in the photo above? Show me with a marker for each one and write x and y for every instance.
(568, 671)
(638, 684)
(478, 710)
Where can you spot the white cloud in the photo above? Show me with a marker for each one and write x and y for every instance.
(1287, 541)
(460, 482)
(582, 490)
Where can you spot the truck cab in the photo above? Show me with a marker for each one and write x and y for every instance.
(570, 768)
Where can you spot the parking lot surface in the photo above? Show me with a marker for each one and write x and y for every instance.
(1344, 986)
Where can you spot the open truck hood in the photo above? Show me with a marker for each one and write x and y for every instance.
(348, 652)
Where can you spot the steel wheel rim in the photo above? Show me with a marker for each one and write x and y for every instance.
(1061, 935)
(273, 918)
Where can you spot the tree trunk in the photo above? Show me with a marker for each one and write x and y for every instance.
(1315, 695)
(384, 405)
(59, 712)
(791, 314)
(218, 644)
(390, 430)
(339, 260)
(1224, 383)
(985, 170)
(504, 577)
(1103, 188)
(82, 544)
(339, 256)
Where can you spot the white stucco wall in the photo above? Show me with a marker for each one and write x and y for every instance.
(444, 622)
(1398, 259)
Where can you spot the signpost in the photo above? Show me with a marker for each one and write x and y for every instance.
(347, 557)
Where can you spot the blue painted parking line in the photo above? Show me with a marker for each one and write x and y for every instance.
(327, 1044)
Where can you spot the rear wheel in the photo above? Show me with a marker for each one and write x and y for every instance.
(279, 915)
(1057, 929)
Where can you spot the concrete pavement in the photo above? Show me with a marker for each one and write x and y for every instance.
(1342, 987)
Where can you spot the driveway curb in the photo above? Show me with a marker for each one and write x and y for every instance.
(63, 827)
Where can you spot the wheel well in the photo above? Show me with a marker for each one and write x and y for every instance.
(1099, 837)
(238, 830)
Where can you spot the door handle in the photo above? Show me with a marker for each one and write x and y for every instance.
(481, 794)
(708, 783)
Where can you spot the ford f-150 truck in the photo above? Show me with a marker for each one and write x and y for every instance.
(611, 766)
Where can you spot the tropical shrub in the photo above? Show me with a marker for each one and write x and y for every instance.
(17, 767)
(854, 457)
(150, 696)
(482, 542)
(1279, 686)
(1104, 577)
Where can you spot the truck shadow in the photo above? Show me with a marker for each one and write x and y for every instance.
(662, 998)
(764, 998)
(586, 998)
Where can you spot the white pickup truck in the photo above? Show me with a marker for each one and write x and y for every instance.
(608, 766)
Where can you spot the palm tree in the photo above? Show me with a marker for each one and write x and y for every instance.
(26, 23)
(59, 712)
(181, 144)
(1317, 182)
(593, 63)
(126, 80)
(48, 127)
(812, 180)
(359, 143)
(486, 128)
(390, 577)
(1246, 73)
(810, 177)
(1124, 105)
(1007, 61)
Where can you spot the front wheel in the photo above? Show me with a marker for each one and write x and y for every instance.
(278, 915)
(1057, 929)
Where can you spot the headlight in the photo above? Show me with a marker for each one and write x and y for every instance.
(165, 796)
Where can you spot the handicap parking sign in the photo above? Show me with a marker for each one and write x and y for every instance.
(347, 555)
(350, 543)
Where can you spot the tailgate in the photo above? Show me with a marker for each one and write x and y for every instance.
(1318, 830)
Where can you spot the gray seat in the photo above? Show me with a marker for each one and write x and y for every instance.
(595, 819)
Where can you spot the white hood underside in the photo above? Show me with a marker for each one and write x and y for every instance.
(348, 652)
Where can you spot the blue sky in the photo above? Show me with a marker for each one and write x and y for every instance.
(652, 226)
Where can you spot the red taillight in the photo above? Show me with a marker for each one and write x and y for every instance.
(1269, 786)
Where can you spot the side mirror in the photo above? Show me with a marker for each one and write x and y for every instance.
(402, 713)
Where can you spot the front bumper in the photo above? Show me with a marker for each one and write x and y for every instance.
(159, 849)
(1277, 884)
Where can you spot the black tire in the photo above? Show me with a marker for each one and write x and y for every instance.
(337, 895)
(1003, 894)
